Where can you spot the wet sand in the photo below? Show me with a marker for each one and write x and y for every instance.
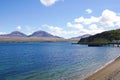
(109, 72)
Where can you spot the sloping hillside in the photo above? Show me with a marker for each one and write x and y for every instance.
(15, 34)
(43, 34)
(103, 37)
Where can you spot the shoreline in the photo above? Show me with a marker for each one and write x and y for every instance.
(35, 39)
(110, 71)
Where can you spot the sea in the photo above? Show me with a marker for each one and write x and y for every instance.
(52, 60)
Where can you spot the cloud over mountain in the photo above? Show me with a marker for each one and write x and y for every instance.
(89, 25)
(18, 28)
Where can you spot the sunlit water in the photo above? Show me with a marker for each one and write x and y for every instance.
(52, 61)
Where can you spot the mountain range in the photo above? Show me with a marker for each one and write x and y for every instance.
(40, 34)
(107, 36)
(36, 36)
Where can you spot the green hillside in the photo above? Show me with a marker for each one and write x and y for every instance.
(103, 37)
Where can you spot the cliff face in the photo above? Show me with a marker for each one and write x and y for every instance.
(103, 37)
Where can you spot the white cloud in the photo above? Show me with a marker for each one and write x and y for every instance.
(86, 21)
(28, 28)
(48, 2)
(92, 29)
(58, 31)
(82, 25)
(55, 30)
(95, 29)
(2, 33)
(77, 26)
(93, 24)
(118, 24)
(89, 11)
(19, 28)
(108, 18)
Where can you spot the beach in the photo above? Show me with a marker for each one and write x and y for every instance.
(109, 72)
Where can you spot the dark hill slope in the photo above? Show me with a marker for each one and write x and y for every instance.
(103, 37)
(80, 37)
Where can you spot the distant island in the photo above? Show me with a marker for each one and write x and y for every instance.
(104, 37)
(41, 36)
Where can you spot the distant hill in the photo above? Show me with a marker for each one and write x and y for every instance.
(80, 37)
(43, 34)
(15, 34)
(37, 36)
(103, 37)
(76, 39)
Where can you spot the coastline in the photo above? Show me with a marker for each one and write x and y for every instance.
(30, 39)
(35, 39)
(110, 71)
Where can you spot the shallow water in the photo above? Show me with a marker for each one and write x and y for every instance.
(52, 61)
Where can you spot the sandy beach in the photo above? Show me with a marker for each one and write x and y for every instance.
(109, 72)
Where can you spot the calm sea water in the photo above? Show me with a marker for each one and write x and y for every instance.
(52, 61)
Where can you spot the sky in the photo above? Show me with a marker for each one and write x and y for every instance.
(64, 18)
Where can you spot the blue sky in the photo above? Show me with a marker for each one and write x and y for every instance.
(65, 18)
